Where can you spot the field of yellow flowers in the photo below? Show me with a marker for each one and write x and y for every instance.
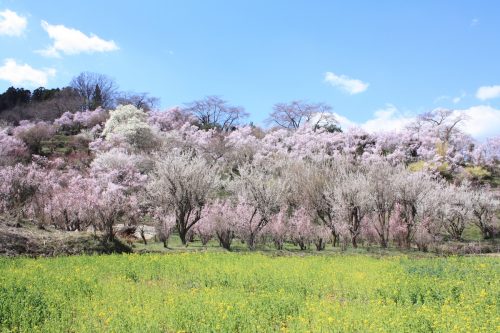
(249, 292)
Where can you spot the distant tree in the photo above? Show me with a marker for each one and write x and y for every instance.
(42, 94)
(43, 104)
(443, 122)
(13, 97)
(54, 104)
(139, 100)
(296, 113)
(214, 112)
(86, 83)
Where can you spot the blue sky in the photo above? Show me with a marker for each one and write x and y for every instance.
(378, 63)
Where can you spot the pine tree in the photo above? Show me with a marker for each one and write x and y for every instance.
(96, 98)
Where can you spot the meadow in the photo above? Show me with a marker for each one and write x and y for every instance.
(203, 291)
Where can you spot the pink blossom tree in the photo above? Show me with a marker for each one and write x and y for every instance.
(278, 229)
(301, 232)
(259, 191)
(165, 226)
(222, 219)
(12, 149)
(34, 134)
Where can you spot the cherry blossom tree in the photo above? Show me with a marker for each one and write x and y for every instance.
(455, 210)
(164, 227)
(73, 123)
(382, 198)
(181, 184)
(221, 218)
(17, 188)
(34, 134)
(259, 190)
(296, 113)
(484, 207)
(70, 207)
(277, 230)
(170, 119)
(313, 188)
(214, 112)
(301, 228)
(131, 124)
(111, 204)
(411, 189)
(352, 201)
(12, 149)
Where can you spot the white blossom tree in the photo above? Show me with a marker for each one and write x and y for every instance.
(181, 184)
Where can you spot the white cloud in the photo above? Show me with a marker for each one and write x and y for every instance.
(387, 119)
(12, 24)
(474, 22)
(481, 121)
(488, 92)
(441, 98)
(24, 74)
(458, 99)
(455, 100)
(71, 41)
(345, 83)
(344, 122)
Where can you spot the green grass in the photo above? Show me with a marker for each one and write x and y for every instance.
(249, 292)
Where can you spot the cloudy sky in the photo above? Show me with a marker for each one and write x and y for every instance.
(378, 63)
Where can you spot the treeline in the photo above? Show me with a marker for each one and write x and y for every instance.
(87, 91)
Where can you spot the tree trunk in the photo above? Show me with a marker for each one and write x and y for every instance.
(143, 236)
(182, 236)
(251, 242)
(225, 238)
(320, 244)
(354, 240)
(110, 233)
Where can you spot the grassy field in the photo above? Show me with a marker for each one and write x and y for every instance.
(249, 292)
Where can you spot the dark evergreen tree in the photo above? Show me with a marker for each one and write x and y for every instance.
(96, 98)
